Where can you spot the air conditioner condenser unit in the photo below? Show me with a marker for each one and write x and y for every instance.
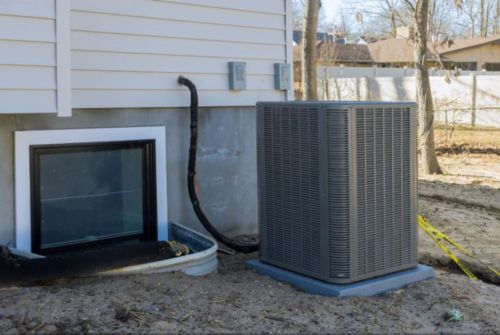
(337, 188)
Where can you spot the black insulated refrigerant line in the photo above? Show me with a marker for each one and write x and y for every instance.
(241, 247)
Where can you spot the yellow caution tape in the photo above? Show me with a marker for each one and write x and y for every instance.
(438, 237)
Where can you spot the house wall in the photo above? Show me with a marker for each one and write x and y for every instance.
(488, 53)
(28, 56)
(227, 174)
(129, 53)
(115, 63)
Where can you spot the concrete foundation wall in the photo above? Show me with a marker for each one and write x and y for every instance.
(227, 165)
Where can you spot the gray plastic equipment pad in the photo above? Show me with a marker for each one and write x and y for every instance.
(365, 288)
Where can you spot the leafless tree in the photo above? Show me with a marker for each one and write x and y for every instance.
(298, 14)
(298, 17)
(440, 20)
(483, 17)
(309, 61)
(391, 13)
(430, 164)
(496, 18)
(485, 13)
(471, 12)
(343, 25)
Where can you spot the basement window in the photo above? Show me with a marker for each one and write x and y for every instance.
(90, 194)
(492, 66)
(76, 188)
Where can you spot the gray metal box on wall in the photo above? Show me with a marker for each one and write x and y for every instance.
(337, 188)
(282, 76)
(237, 76)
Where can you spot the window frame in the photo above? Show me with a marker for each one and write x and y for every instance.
(149, 191)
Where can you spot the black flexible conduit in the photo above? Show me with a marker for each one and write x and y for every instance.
(241, 247)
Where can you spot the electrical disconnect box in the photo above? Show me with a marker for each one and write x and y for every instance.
(281, 76)
(237, 76)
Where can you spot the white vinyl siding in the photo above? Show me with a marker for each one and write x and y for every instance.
(129, 53)
(29, 8)
(62, 54)
(29, 49)
(27, 56)
(27, 29)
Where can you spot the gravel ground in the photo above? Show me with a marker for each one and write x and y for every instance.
(463, 203)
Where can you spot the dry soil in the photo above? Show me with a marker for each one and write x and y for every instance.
(238, 300)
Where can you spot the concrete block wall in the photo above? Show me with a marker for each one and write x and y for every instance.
(227, 167)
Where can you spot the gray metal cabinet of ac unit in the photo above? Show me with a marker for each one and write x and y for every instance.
(337, 188)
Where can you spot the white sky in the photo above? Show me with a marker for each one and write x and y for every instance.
(331, 7)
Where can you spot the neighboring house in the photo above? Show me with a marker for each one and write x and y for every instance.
(334, 54)
(93, 123)
(337, 37)
(472, 54)
(393, 52)
(320, 36)
(398, 52)
(345, 54)
(466, 54)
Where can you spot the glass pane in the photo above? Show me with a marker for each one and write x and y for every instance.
(90, 195)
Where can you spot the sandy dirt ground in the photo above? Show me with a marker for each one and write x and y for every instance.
(464, 203)
(238, 300)
(459, 138)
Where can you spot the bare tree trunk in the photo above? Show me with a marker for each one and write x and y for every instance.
(489, 10)
(482, 19)
(471, 14)
(485, 8)
(496, 18)
(394, 26)
(309, 56)
(429, 160)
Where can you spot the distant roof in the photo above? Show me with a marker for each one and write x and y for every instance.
(297, 36)
(353, 53)
(391, 50)
(344, 52)
(397, 50)
(359, 40)
(467, 43)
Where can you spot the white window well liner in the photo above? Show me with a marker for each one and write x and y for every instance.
(202, 260)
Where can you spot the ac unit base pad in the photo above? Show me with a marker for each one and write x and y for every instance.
(365, 288)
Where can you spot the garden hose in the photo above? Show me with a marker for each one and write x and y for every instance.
(231, 243)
